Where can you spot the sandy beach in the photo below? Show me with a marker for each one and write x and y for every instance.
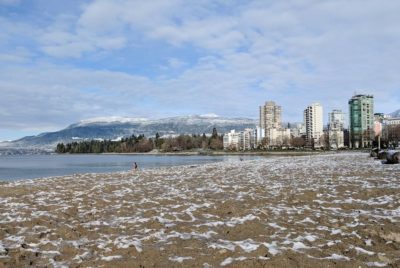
(334, 210)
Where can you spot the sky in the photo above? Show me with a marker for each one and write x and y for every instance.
(65, 61)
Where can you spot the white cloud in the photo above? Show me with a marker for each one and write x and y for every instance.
(293, 52)
(9, 2)
(18, 55)
(176, 63)
(48, 95)
(210, 33)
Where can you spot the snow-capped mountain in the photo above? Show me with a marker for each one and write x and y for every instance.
(110, 119)
(114, 128)
(395, 113)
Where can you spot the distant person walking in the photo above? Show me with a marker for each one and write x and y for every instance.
(135, 166)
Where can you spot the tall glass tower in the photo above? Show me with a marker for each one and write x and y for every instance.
(361, 123)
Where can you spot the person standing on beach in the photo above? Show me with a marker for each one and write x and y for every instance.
(135, 166)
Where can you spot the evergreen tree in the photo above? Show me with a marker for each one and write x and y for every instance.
(214, 133)
(60, 148)
(142, 144)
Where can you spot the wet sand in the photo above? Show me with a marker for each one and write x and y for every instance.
(340, 210)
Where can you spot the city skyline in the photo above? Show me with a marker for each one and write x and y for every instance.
(64, 62)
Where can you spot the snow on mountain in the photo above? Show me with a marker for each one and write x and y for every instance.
(4, 143)
(110, 119)
(191, 119)
(395, 113)
(210, 115)
(114, 128)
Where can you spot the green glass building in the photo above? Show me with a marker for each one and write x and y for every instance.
(361, 111)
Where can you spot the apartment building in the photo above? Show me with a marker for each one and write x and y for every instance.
(361, 123)
(313, 120)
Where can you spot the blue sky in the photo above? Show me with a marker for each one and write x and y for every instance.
(65, 61)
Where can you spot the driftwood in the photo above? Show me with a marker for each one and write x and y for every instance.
(382, 155)
(393, 157)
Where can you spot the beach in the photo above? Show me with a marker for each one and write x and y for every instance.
(333, 210)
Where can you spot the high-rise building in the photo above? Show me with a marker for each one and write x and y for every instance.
(336, 120)
(271, 122)
(270, 116)
(361, 123)
(313, 120)
(335, 129)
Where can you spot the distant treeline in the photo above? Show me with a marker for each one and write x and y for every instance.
(141, 144)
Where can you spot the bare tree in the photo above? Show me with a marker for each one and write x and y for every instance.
(298, 142)
(216, 144)
(324, 141)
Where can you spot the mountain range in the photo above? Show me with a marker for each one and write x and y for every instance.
(395, 113)
(114, 128)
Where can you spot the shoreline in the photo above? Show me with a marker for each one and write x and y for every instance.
(262, 155)
(222, 153)
(210, 152)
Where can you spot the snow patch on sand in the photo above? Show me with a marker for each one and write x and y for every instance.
(179, 259)
(111, 258)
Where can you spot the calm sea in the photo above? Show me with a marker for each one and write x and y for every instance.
(37, 166)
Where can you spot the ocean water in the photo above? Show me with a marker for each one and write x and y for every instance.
(37, 166)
